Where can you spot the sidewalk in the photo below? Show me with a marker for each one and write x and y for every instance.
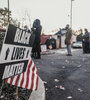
(40, 93)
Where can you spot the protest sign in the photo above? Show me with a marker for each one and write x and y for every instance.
(15, 52)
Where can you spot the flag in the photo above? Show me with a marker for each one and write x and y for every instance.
(27, 79)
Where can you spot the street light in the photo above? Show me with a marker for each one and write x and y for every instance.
(71, 14)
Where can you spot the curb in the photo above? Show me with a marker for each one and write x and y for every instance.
(40, 93)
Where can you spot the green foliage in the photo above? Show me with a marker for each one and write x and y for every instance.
(4, 18)
(1, 39)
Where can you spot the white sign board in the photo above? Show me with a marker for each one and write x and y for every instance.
(15, 52)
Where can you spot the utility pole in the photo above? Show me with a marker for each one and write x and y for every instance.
(8, 12)
(71, 15)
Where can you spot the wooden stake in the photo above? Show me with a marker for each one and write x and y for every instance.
(17, 93)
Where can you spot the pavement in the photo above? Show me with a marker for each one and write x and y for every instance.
(64, 78)
(40, 93)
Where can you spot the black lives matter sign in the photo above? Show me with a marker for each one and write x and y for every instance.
(15, 52)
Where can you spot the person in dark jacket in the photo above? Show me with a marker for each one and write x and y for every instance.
(80, 36)
(86, 41)
(36, 46)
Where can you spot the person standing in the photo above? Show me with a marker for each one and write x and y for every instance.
(68, 39)
(86, 41)
(37, 31)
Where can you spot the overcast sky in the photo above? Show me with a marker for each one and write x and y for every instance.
(52, 13)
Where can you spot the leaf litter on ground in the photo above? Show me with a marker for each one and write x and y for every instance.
(46, 89)
(79, 66)
(69, 97)
(56, 80)
(60, 87)
(44, 82)
(63, 67)
(67, 61)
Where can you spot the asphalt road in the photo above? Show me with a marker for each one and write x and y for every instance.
(65, 78)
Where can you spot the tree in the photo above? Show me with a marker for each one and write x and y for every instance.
(4, 18)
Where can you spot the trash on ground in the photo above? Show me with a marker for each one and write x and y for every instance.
(80, 90)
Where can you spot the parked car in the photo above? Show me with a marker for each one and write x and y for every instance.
(77, 44)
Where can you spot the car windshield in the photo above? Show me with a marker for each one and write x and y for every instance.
(78, 42)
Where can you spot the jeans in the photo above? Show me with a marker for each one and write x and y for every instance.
(69, 48)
